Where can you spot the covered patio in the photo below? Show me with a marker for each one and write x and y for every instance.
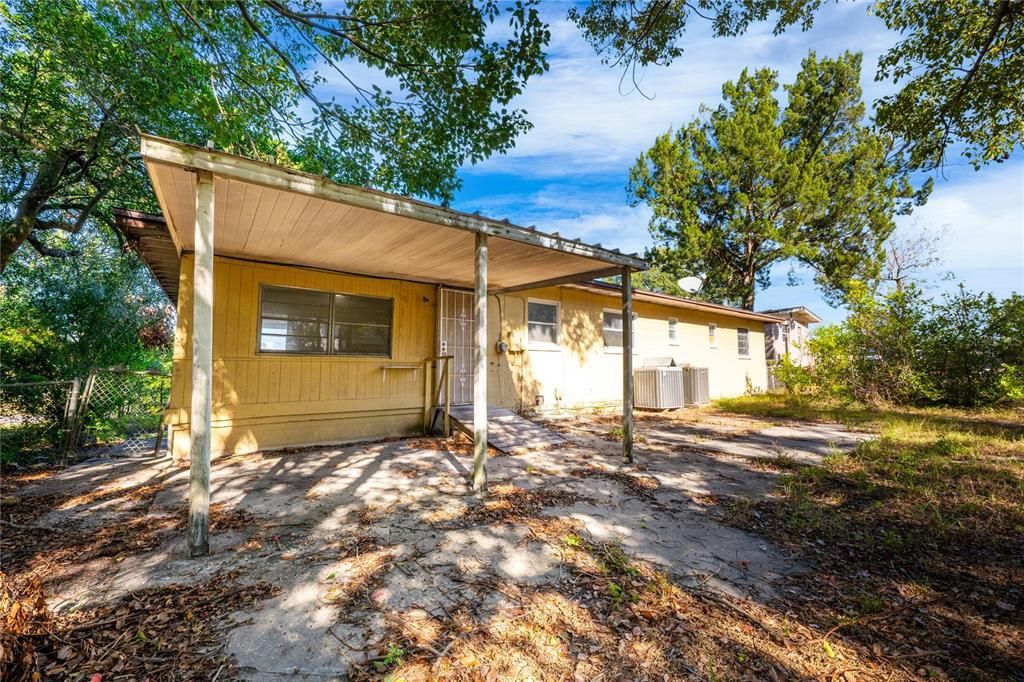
(220, 204)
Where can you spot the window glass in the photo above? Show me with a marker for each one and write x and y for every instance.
(294, 320)
(612, 329)
(304, 321)
(542, 322)
(362, 325)
(673, 330)
(712, 334)
(743, 341)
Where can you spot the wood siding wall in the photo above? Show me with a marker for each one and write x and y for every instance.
(267, 400)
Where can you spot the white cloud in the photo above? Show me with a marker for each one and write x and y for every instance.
(588, 121)
(984, 216)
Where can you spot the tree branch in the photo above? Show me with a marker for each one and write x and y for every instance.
(44, 250)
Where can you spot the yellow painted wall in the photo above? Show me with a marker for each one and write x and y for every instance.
(268, 400)
(581, 372)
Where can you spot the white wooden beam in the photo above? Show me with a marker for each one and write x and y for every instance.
(627, 366)
(202, 370)
(160, 150)
(480, 364)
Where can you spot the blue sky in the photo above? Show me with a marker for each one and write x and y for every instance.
(568, 174)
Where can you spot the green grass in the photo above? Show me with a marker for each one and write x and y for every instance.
(930, 511)
(936, 473)
(930, 475)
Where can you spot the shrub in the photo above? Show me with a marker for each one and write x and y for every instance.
(900, 348)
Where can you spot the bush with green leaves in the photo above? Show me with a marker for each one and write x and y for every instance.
(965, 349)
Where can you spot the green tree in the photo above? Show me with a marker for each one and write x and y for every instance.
(423, 89)
(60, 317)
(752, 185)
(958, 64)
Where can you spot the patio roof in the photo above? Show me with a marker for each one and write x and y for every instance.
(269, 213)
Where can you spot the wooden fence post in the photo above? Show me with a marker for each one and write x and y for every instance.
(70, 418)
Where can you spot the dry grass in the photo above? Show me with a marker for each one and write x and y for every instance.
(504, 503)
(924, 526)
(637, 483)
(611, 618)
(164, 633)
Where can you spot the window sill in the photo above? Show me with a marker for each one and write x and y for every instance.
(321, 356)
(743, 357)
(544, 347)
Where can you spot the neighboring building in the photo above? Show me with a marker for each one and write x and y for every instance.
(789, 336)
(305, 351)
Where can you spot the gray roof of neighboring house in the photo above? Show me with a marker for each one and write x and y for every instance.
(799, 313)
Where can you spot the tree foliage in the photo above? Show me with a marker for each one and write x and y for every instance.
(61, 317)
(959, 64)
(396, 94)
(751, 185)
(965, 349)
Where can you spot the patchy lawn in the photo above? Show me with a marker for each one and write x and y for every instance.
(917, 536)
(718, 556)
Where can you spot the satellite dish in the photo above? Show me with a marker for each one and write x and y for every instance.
(690, 285)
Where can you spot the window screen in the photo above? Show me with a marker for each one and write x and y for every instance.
(673, 330)
(612, 329)
(294, 320)
(712, 334)
(362, 325)
(743, 341)
(542, 322)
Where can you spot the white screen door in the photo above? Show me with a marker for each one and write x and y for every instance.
(457, 340)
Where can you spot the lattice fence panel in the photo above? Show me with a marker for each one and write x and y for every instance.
(122, 413)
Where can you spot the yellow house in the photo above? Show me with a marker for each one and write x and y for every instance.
(312, 313)
(550, 349)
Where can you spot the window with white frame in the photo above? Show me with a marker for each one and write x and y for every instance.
(305, 321)
(542, 323)
(743, 342)
(713, 335)
(673, 331)
(611, 329)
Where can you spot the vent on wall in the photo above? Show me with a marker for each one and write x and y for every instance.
(658, 388)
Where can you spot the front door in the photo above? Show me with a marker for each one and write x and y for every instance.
(456, 337)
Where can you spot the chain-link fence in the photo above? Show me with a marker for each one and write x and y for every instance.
(111, 412)
(34, 419)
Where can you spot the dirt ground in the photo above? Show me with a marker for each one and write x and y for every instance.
(372, 560)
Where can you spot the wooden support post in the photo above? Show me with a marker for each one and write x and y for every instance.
(70, 419)
(202, 370)
(447, 398)
(428, 408)
(627, 366)
(480, 364)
